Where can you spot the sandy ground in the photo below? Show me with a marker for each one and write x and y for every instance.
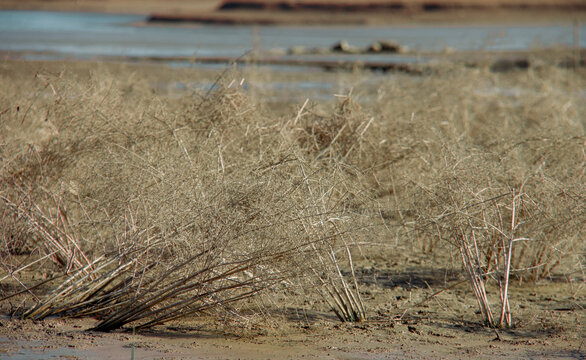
(407, 322)
(411, 318)
(411, 338)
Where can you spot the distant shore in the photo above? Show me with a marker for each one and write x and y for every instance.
(325, 12)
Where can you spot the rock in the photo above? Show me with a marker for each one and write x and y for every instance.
(343, 46)
(389, 46)
(375, 47)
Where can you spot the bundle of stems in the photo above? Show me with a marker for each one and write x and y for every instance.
(344, 300)
(48, 226)
(122, 291)
(485, 240)
(80, 295)
(191, 293)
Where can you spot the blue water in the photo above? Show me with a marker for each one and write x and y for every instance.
(89, 35)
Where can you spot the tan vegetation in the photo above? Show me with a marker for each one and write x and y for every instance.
(140, 208)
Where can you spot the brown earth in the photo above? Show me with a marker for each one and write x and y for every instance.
(411, 321)
(315, 337)
(415, 313)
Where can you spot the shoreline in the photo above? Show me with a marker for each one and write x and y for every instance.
(418, 18)
(182, 12)
(496, 61)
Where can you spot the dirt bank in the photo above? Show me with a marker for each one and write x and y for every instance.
(326, 11)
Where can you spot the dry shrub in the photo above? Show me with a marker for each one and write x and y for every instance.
(163, 207)
(501, 228)
(339, 136)
(171, 213)
(510, 197)
(556, 186)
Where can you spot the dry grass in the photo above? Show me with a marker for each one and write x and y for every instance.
(507, 188)
(144, 208)
(152, 214)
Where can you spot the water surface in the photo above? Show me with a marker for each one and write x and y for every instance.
(82, 35)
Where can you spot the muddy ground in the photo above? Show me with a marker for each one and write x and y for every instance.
(416, 309)
(414, 313)
(553, 330)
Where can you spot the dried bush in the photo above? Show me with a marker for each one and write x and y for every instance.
(502, 226)
(146, 207)
(152, 215)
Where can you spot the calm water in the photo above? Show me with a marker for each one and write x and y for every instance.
(88, 35)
